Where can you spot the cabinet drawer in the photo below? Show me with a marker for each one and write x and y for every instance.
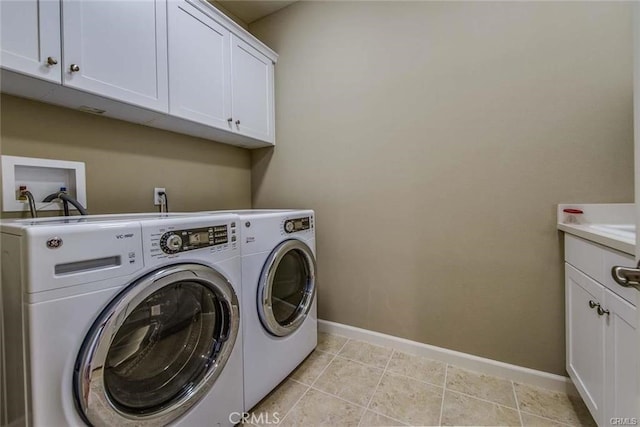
(596, 261)
(585, 256)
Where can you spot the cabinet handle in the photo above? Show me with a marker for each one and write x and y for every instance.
(230, 119)
(74, 68)
(52, 61)
(592, 304)
(602, 311)
(237, 122)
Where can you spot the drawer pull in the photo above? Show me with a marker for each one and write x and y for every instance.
(627, 277)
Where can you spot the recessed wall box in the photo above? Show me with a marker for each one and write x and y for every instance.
(41, 177)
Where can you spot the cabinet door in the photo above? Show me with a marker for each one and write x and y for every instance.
(622, 355)
(199, 67)
(252, 92)
(585, 339)
(29, 35)
(118, 49)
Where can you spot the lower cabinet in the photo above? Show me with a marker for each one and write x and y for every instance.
(601, 357)
(621, 358)
(585, 339)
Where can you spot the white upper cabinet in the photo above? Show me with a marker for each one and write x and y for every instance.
(252, 91)
(117, 49)
(30, 38)
(216, 77)
(179, 65)
(199, 66)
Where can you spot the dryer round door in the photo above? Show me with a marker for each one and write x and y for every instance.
(157, 348)
(287, 287)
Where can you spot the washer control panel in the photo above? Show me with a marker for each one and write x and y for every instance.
(176, 241)
(297, 224)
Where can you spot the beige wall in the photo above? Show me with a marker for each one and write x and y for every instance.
(434, 140)
(124, 162)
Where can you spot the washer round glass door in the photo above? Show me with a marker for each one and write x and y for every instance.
(287, 287)
(157, 348)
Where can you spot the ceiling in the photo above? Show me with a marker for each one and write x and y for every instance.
(249, 11)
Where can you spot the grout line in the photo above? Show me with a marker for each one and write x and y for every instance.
(359, 362)
(483, 400)
(392, 372)
(547, 419)
(343, 346)
(386, 416)
(330, 362)
(339, 397)
(515, 395)
(297, 381)
(314, 381)
(384, 371)
(444, 390)
(365, 408)
(294, 405)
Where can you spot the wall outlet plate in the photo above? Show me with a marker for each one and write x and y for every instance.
(156, 195)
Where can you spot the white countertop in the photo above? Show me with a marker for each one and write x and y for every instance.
(611, 225)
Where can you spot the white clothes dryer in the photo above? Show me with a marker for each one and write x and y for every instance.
(278, 296)
(122, 320)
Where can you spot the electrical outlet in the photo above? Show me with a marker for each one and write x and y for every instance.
(156, 195)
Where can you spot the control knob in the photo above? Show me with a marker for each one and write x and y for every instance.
(171, 243)
(288, 226)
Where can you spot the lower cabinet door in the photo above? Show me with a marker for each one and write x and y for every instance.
(621, 357)
(585, 338)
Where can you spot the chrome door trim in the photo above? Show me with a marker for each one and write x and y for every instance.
(265, 288)
(91, 395)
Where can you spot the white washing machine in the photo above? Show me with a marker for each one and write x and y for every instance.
(122, 320)
(278, 296)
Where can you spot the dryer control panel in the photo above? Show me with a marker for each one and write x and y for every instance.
(297, 224)
(176, 241)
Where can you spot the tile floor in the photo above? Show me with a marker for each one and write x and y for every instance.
(353, 383)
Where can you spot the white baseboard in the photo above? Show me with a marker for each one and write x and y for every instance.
(463, 360)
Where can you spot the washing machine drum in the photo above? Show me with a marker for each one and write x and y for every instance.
(157, 348)
(287, 287)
